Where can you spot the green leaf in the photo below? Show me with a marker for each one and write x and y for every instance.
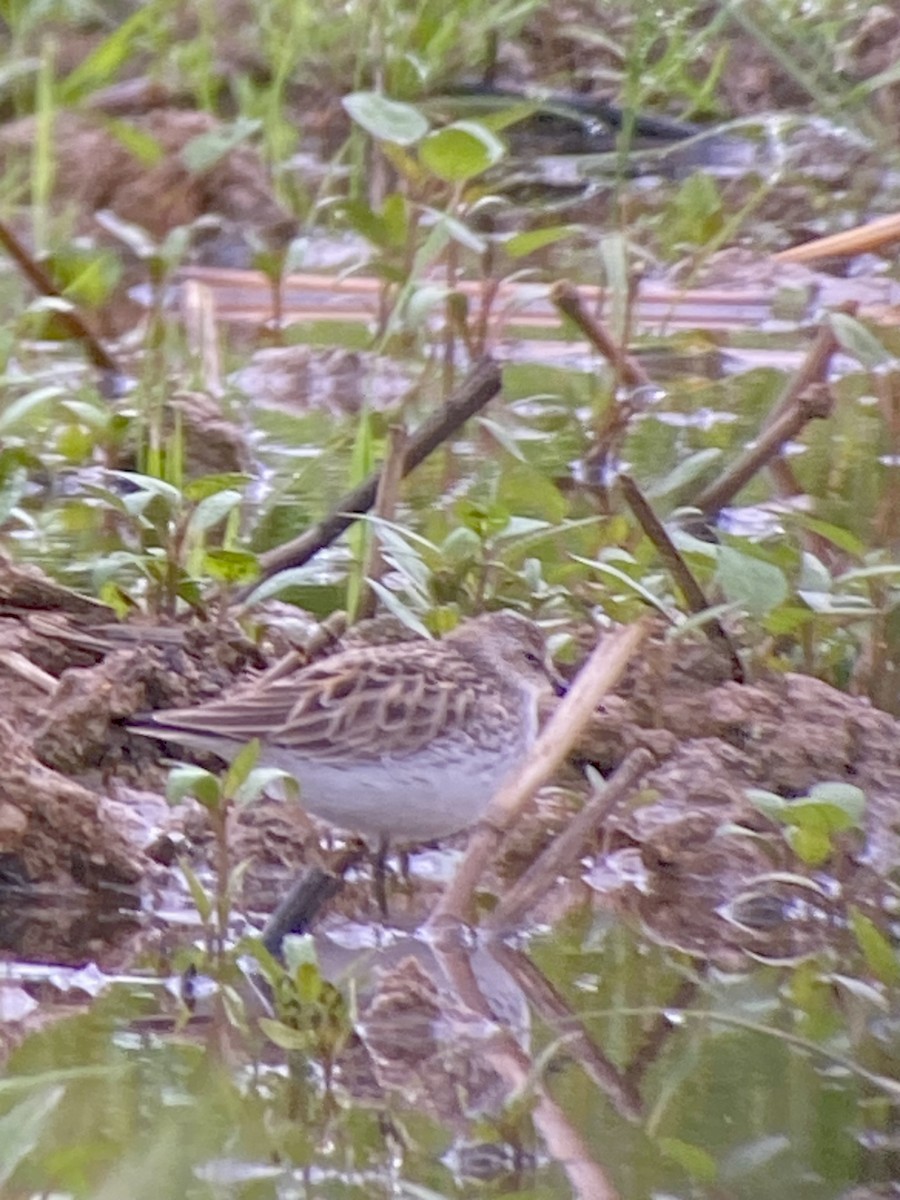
(521, 244)
(858, 341)
(280, 582)
(837, 606)
(879, 954)
(528, 529)
(398, 609)
(389, 120)
(812, 846)
(460, 151)
(121, 603)
(755, 585)
(299, 950)
(151, 484)
(283, 1036)
(626, 580)
(461, 545)
(503, 436)
(138, 142)
(395, 215)
(105, 61)
(203, 152)
(28, 408)
(790, 618)
(241, 766)
(133, 236)
(457, 231)
(93, 284)
(260, 780)
(698, 1163)
(13, 484)
(202, 900)
(405, 552)
(188, 780)
(842, 538)
(769, 803)
(387, 229)
(308, 982)
(851, 800)
(690, 624)
(814, 575)
(422, 302)
(816, 815)
(22, 1126)
(689, 469)
(695, 215)
(749, 1157)
(230, 566)
(208, 485)
(858, 574)
(871, 995)
(212, 511)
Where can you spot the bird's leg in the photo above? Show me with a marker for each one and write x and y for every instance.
(309, 891)
(379, 873)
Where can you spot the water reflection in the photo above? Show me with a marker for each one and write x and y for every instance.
(585, 1061)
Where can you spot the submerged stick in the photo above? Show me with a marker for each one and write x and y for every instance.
(480, 386)
(525, 1077)
(814, 368)
(574, 1038)
(598, 676)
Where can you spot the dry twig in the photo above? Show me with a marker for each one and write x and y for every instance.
(598, 676)
(566, 848)
(44, 285)
(694, 596)
(480, 386)
(385, 508)
(816, 404)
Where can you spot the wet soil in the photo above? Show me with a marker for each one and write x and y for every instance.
(74, 675)
(78, 811)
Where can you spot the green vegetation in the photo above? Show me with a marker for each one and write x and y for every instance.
(304, 134)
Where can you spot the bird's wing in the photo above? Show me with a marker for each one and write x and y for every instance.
(389, 709)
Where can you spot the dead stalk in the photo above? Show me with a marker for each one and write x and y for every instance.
(815, 405)
(479, 387)
(385, 508)
(566, 849)
(694, 596)
(44, 285)
(568, 300)
(598, 676)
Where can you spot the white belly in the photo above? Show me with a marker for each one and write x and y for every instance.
(407, 800)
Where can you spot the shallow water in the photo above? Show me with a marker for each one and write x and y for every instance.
(644, 1073)
(627, 1068)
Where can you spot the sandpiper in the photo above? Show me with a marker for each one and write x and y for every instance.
(404, 741)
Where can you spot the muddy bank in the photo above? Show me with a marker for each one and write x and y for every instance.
(75, 810)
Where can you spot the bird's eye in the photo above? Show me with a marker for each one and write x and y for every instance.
(533, 660)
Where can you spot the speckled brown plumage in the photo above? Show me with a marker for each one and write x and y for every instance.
(407, 740)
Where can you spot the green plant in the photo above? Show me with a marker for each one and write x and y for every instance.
(171, 535)
(310, 1015)
(813, 823)
(241, 783)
